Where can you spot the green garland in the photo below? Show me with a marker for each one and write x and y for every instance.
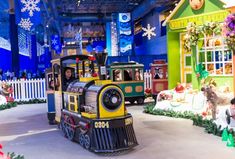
(8, 105)
(14, 104)
(32, 101)
(209, 125)
(14, 156)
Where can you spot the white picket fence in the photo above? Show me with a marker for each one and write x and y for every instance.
(28, 89)
(147, 80)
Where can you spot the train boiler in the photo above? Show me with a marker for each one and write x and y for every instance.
(93, 110)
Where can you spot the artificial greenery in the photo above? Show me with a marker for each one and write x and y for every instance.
(8, 105)
(14, 156)
(31, 101)
(209, 125)
(14, 104)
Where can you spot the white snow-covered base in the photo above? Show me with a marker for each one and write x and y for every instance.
(3, 100)
(193, 102)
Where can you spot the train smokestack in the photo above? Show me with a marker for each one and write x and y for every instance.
(101, 59)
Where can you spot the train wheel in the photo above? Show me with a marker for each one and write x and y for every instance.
(132, 101)
(63, 126)
(87, 142)
(81, 139)
(70, 131)
(140, 100)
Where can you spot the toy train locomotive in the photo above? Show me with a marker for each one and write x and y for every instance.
(90, 110)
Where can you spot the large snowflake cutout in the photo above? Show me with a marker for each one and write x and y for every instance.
(30, 5)
(54, 41)
(149, 31)
(25, 24)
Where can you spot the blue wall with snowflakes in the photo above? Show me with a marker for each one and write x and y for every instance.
(156, 45)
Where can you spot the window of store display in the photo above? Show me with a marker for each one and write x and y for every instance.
(215, 56)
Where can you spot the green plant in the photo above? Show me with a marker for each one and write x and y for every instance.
(198, 120)
(14, 156)
(11, 155)
(14, 104)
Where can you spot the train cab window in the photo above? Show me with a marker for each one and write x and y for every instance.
(69, 77)
(127, 75)
(139, 74)
(56, 82)
(158, 73)
(117, 75)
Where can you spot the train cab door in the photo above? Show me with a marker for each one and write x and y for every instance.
(159, 76)
(50, 96)
(57, 88)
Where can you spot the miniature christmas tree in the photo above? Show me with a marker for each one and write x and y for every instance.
(230, 142)
(225, 135)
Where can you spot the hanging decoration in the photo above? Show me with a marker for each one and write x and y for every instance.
(229, 31)
(27, 13)
(30, 6)
(191, 37)
(25, 24)
(24, 42)
(149, 32)
(56, 44)
(125, 34)
(114, 39)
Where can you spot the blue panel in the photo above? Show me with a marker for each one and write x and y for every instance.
(51, 103)
(5, 60)
(125, 34)
(22, 13)
(157, 44)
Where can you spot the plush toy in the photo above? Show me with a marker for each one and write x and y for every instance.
(6, 91)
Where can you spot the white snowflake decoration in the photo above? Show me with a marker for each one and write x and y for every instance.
(149, 31)
(30, 5)
(54, 41)
(25, 24)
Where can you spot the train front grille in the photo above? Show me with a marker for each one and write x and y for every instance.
(114, 139)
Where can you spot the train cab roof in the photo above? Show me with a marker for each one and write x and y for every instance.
(131, 64)
(158, 63)
(74, 57)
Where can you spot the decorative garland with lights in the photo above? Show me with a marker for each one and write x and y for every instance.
(195, 32)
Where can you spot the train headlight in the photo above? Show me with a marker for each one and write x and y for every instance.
(111, 99)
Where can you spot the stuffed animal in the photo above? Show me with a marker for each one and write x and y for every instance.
(6, 91)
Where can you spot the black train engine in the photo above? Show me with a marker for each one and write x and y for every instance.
(94, 115)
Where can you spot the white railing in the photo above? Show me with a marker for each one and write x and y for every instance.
(147, 80)
(28, 89)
